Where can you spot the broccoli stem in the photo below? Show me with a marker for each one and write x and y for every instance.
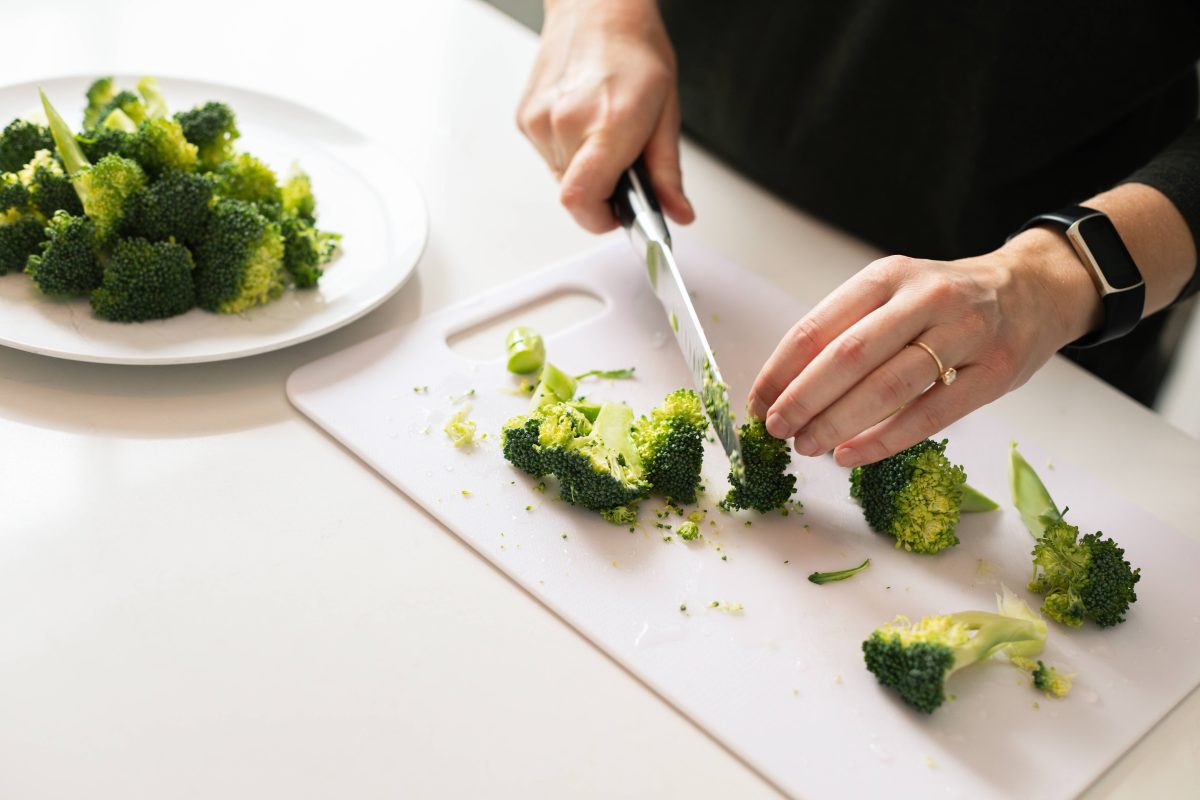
(821, 578)
(68, 149)
(611, 374)
(975, 501)
(156, 104)
(554, 386)
(526, 350)
(1030, 495)
(993, 632)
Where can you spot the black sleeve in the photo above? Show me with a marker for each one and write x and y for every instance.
(1176, 173)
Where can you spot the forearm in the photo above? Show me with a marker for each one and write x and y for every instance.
(1153, 230)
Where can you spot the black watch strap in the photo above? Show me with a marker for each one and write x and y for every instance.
(1113, 271)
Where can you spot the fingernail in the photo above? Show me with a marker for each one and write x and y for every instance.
(806, 444)
(847, 457)
(777, 426)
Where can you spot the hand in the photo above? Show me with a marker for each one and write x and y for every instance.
(844, 377)
(601, 93)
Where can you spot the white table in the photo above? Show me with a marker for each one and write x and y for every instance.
(202, 595)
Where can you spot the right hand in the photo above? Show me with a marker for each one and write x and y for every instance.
(603, 92)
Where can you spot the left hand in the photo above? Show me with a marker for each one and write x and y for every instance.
(843, 377)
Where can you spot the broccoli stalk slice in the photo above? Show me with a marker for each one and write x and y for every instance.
(554, 386)
(610, 374)
(1030, 495)
(64, 140)
(975, 501)
(821, 578)
(526, 350)
(118, 120)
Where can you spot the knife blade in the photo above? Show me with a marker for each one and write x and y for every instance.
(637, 208)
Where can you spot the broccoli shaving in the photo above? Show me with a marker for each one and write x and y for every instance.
(820, 578)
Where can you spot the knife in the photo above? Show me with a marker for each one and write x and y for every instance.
(636, 206)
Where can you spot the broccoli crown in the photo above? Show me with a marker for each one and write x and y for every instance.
(602, 469)
(20, 141)
(145, 280)
(670, 443)
(305, 250)
(297, 196)
(21, 236)
(177, 205)
(913, 496)
(98, 95)
(68, 266)
(212, 127)
(239, 261)
(915, 659)
(244, 177)
(105, 188)
(1081, 578)
(765, 486)
(50, 189)
(14, 196)
(125, 101)
(159, 146)
(101, 142)
(551, 425)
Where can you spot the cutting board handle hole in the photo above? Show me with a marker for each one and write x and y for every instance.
(549, 314)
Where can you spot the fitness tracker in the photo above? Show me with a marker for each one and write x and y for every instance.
(1109, 265)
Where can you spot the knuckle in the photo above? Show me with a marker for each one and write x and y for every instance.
(893, 266)
(890, 388)
(808, 337)
(792, 407)
(574, 196)
(931, 417)
(851, 349)
(825, 431)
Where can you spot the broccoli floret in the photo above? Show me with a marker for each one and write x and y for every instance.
(244, 177)
(212, 127)
(1046, 678)
(124, 101)
(159, 146)
(297, 196)
(99, 94)
(461, 428)
(670, 443)
(20, 141)
(239, 261)
(765, 486)
(14, 195)
(621, 515)
(69, 266)
(523, 437)
(601, 470)
(688, 531)
(916, 659)
(100, 142)
(21, 236)
(1081, 577)
(145, 280)
(913, 496)
(50, 190)
(177, 206)
(306, 250)
(104, 189)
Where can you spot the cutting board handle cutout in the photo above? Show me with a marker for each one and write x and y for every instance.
(554, 311)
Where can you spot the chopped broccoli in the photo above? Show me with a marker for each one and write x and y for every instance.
(156, 104)
(916, 659)
(526, 350)
(305, 250)
(244, 177)
(239, 261)
(212, 127)
(49, 188)
(176, 206)
(99, 94)
(21, 236)
(144, 281)
(124, 101)
(601, 470)
(69, 265)
(460, 428)
(1081, 577)
(608, 374)
(688, 531)
(297, 196)
(620, 515)
(820, 578)
(554, 386)
(20, 141)
(159, 146)
(765, 485)
(523, 437)
(670, 443)
(14, 195)
(913, 496)
(1048, 679)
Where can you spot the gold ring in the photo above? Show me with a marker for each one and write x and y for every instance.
(946, 374)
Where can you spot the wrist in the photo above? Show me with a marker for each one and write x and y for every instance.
(1057, 280)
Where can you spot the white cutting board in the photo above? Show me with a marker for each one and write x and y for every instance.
(782, 684)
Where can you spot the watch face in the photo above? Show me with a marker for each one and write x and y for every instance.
(1108, 253)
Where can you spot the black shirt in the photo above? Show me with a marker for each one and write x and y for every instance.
(934, 128)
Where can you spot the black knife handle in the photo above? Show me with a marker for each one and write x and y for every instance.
(636, 205)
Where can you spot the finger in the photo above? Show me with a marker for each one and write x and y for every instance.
(850, 302)
(848, 359)
(533, 120)
(662, 160)
(937, 408)
(891, 386)
(592, 175)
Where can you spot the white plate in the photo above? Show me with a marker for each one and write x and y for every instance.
(362, 192)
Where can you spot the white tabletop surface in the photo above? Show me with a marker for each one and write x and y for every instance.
(202, 595)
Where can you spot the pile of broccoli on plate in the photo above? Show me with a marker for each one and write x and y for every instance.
(150, 214)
